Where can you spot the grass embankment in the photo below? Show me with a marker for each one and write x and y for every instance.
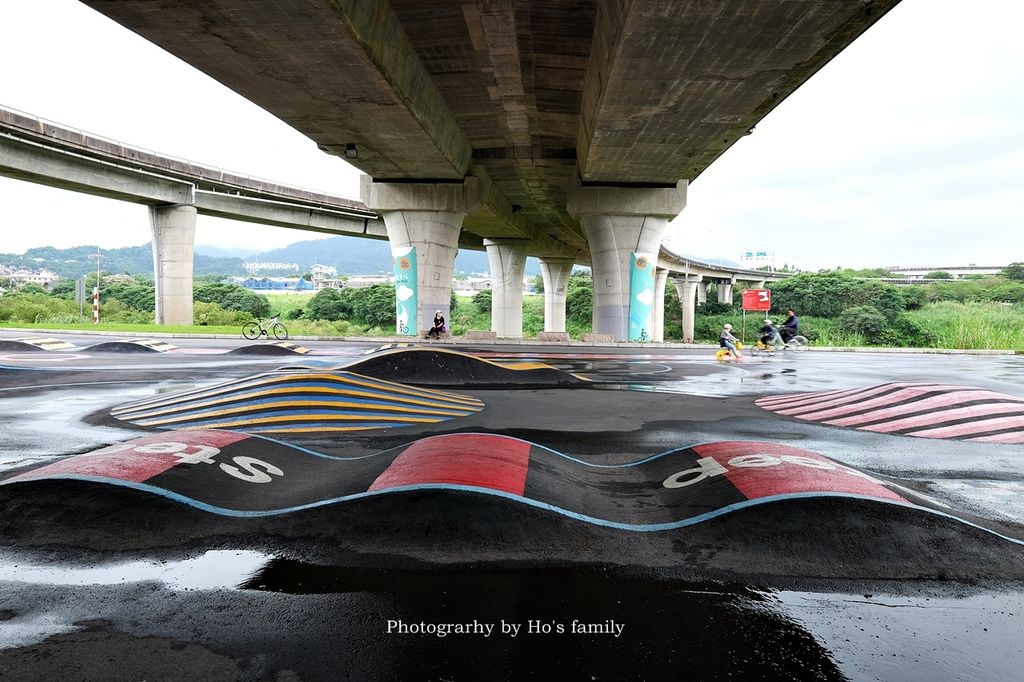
(960, 326)
(966, 326)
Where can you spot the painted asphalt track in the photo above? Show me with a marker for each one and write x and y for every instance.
(623, 485)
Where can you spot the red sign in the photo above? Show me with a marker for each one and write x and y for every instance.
(757, 299)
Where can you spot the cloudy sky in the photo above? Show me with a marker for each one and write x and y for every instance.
(907, 149)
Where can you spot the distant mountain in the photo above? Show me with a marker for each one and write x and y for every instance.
(221, 252)
(358, 256)
(350, 255)
(135, 260)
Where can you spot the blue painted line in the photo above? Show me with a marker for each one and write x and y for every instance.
(648, 528)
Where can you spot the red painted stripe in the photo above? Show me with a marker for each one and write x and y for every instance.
(816, 404)
(971, 428)
(482, 461)
(818, 414)
(136, 460)
(943, 416)
(939, 405)
(1009, 437)
(766, 469)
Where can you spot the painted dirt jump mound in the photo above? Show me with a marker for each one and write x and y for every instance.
(911, 409)
(299, 401)
(236, 474)
(439, 367)
(277, 348)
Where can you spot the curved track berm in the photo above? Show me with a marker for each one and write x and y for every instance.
(442, 367)
(732, 506)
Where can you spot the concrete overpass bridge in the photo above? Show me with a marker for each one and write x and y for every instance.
(176, 190)
(565, 129)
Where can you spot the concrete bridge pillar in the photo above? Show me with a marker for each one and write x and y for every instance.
(687, 287)
(556, 272)
(702, 294)
(660, 279)
(624, 227)
(423, 221)
(174, 232)
(725, 290)
(507, 258)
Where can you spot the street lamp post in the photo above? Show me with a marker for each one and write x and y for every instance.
(96, 289)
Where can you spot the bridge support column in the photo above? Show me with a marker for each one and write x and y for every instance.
(725, 291)
(507, 259)
(423, 221)
(555, 272)
(702, 294)
(660, 279)
(174, 233)
(687, 288)
(624, 225)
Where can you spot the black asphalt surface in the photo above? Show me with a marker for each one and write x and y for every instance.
(105, 580)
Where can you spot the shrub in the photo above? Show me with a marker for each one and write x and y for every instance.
(482, 301)
(212, 314)
(233, 297)
(865, 321)
(330, 304)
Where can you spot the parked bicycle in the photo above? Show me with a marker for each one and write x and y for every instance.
(259, 327)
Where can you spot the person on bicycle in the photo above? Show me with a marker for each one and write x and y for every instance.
(791, 327)
(438, 327)
(727, 340)
(769, 335)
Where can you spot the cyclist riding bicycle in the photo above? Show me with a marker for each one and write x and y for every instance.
(791, 327)
(728, 341)
(769, 335)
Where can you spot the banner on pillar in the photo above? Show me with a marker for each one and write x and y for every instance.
(406, 317)
(641, 297)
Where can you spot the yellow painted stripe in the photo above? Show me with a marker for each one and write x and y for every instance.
(48, 344)
(313, 417)
(519, 366)
(192, 415)
(177, 407)
(278, 379)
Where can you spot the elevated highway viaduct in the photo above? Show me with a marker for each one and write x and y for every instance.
(176, 190)
(564, 129)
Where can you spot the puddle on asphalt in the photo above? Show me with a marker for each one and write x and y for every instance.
(214, 570)
(886, 637)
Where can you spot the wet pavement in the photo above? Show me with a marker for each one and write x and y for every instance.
(918, 577)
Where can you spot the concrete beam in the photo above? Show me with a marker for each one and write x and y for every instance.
(174, 231)
(556, 273)
(45, 166)
(507, 258)
(422, 219)
(620, 221)
(686, 287)
(279, 214)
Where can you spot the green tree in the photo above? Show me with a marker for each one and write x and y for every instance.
(375, 305)
(482, 301)
(538, 283)
(938, 274)
(579, 298)
(1014, 272)
(330, 304)
(233, 297)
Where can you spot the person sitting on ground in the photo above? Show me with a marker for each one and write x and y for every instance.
(770, 335)
(727, 340)
(438, 327)
(791, 327)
